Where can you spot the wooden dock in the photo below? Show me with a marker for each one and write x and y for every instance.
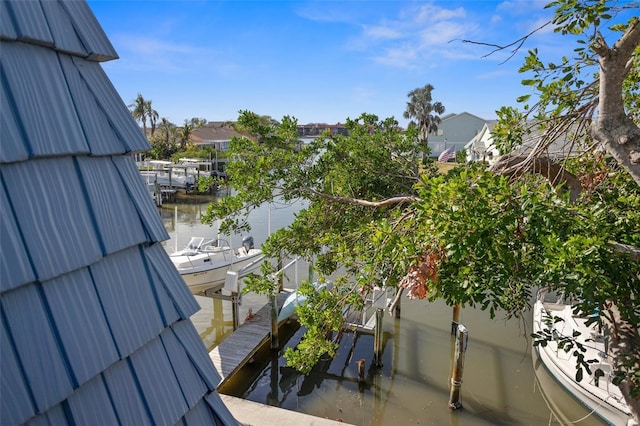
(238, 348)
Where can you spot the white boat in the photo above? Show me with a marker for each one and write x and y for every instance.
(604, 399)
(167, 174)
(198, 167)
(295, 299)
(203, 263)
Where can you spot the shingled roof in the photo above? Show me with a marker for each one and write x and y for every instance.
(94, 322)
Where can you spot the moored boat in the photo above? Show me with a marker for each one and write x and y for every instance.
(296, 299)
(204, 263)
(600, 396)
(167, 174)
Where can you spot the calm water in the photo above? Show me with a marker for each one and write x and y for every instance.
(412, 386)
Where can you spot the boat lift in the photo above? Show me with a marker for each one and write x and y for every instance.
(232, 285)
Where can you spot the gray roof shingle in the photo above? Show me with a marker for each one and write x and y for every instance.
(94, 318)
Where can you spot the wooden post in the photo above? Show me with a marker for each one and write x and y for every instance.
(456, 375)
(361, 369)
(281, 274)
(362, 381)
(235, 312)
(231, 285)
(377, 337)
(218, 316)
(275, 343)
(455, 320)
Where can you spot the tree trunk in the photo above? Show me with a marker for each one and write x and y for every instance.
(613, 128)
(622, 342)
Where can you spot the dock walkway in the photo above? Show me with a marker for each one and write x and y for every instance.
(238, 348)
(243, 343)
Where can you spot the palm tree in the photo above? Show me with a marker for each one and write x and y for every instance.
(139, 112)
(187, 129)
(421, 107)
(185, 133)
(152, 115)
(167, 128)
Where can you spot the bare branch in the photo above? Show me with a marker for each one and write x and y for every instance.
(512, 165)
(518, 43)
(360, 202)
(632, 251)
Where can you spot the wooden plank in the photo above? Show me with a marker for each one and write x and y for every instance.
(243, 343)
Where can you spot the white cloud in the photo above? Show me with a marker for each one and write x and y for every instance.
(424, 35)
(152, 46)
(381, 32)
(149, 53)
(400, 57)
(433, 13)
(441, 33)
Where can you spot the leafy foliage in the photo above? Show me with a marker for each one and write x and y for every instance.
(595, 89)
(470, 236)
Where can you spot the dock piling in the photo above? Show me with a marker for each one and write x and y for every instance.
(377, 337)
(462, 337)
(455, 320)
(275, 342)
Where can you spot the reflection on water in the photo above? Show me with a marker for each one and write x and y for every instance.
(412, 386)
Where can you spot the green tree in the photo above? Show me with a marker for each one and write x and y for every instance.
(138, 110)
(593, 98)
(152, 115)
(187, 129)
(167, 130)
(474, 237)
(164, 141)
(426, 112)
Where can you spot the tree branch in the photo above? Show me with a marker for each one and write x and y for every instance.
(517, 165)
(518, 43)
(634, 252)
(360, 202)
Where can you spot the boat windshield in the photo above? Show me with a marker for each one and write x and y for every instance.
(194, 243)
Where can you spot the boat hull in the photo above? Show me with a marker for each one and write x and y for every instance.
(201, 279)
(604, 401)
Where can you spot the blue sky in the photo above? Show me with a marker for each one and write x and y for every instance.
(319, 61)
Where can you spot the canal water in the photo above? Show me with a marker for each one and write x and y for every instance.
(501, 382)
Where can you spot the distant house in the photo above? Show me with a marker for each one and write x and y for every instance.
(216, 134)
(313, 130)
(482, 148)
(95, 324)
(455, 130)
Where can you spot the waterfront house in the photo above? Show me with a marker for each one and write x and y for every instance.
(455, 130)
(95, 322)
(482, 148)
(216, 134)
